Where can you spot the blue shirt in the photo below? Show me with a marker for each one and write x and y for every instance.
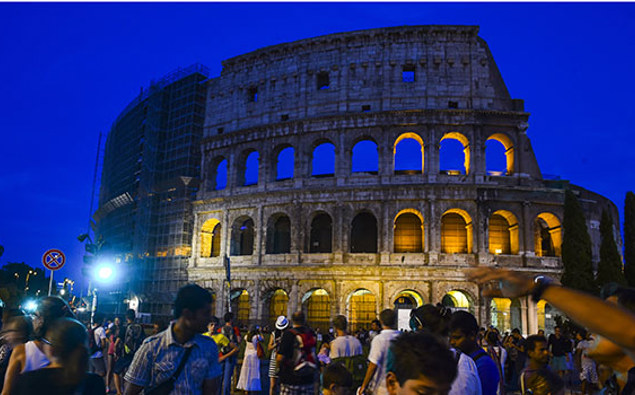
(487, 372)
(160, 355)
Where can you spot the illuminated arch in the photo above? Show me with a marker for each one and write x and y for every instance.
(458, 300)
(508, 145)
(317, 305)
(466, 151)
(408, 231)
(503, 233)
(505, 314)
(362, 309)
(547, 235)
(211, 238)
(278, 302)
(241, 305)
(398, 156)
(408, 299)
(546, 317)
(242, 242)
(456, 232)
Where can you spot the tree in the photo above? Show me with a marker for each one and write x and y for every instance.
(629, 238)
(610, 266)
(576, 247)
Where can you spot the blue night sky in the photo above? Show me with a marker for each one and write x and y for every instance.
(69, 69)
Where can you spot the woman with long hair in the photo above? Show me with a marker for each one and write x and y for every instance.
(249, 379)
(30, 356)
(65, 345)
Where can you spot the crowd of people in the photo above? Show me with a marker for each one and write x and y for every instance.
(444, 351)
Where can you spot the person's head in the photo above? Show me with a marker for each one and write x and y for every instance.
(214, 323)
(193, 307)
(340, 323)
(117, 321)
(48, 310)
(228, 318)
(556, 330)
(537, 350)
(388, 318)
(130, 315)
(541, 332)
(298, 318)
(422, 364)
(336, 380)
(282, 323)
(491, 337)
(65, 343)
(463, 331)
(516, 333)
(17, 330)
(375, 325)
(430, 318)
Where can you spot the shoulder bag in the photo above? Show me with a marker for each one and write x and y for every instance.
(167, 386)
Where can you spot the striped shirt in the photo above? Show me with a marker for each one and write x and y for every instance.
(160, 355)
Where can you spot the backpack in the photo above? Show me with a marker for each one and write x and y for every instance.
(134, 338)
(356, 365)
(304, 361)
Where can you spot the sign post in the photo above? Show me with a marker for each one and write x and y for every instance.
(53, 260)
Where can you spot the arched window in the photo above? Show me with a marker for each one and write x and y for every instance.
(218, 174)
(456, 232)
(499, 155)
(321, 234)
(284, 163)
(408, 236)
(278, 303)
(323, 161)
(211, 238)
(499, 239)
(251, 168)
(548, 235)
(317, 305)
(365, 158)
(364, 233)
(361, 309)
(408, 300)
(454, 154)
(279, 235)
(241, 305)
(408, 154)
(458, 300)
(243, 236)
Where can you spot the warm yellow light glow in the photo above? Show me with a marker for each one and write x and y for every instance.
(509, 150)
(460, 300)
(210, 238)
(466, 148)
(362, 309)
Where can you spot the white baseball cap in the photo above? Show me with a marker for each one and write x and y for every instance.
(282, 322)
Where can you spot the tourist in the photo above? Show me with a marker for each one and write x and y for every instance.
(375, 378)
(132, 337)
(233, 334)
(17, 330)
(282, 323)
(463, 331)
(537, 377)
(249, 378)
(515, 346)
(336, 380)
(588, 370)
(30, 356)
(180, 354)
(498, 354)
(297, 375)
(97, 344)
(421, 364)
(65, 347)
(559, 347)
(344, 345)
(114, 342)
(375, 328)
(225, 348)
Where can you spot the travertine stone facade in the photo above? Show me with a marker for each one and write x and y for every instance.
(351, 87)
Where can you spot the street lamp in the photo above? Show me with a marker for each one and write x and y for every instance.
(104, 273)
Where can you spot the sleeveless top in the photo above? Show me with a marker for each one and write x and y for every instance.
(33, 358)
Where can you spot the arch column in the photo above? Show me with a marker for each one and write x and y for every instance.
(431, 156)
(294, 299)
(532, 317)
(527, 236)
(478, 166)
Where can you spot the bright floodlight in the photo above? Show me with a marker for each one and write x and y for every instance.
(30, 306)
(104, 272)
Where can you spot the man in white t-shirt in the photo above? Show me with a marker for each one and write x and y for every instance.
(375, 378)
(97, 364)
(344, 345)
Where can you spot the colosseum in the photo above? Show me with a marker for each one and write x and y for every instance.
(353, 172)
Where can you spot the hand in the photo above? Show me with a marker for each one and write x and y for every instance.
(503, 283)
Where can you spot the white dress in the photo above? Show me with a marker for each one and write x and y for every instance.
(249, 379)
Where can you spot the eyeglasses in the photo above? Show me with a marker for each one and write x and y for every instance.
(46, 341)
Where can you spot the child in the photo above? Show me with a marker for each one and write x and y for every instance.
(336, 380)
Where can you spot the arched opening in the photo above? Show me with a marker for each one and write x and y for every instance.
(211, 238)
(242, 236)
(408, 232)
(365, 158)
(503, 233)
(251, 168)
(278, 303)
(458, 300)
(547, 235)
(499, 155)
(362, 309)
(317, 305)
(408, 154)
(456, 232)
(285, 161)
(323, 160)
(454, 154)
(364, 233)
(240, 306)
(546, 316)
(499, 314)
(218, 174)
(279, 235)
(320, 238)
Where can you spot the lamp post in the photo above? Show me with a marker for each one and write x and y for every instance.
(104, 273)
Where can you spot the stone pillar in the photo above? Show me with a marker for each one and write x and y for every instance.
(432, 164)
(524, 313)
(532, 317)
(478, 167)
(527, 245)
(294, 299)
(260, 239)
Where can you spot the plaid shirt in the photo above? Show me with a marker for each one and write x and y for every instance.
(160, 355)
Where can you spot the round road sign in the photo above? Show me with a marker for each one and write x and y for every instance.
(53, 259)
